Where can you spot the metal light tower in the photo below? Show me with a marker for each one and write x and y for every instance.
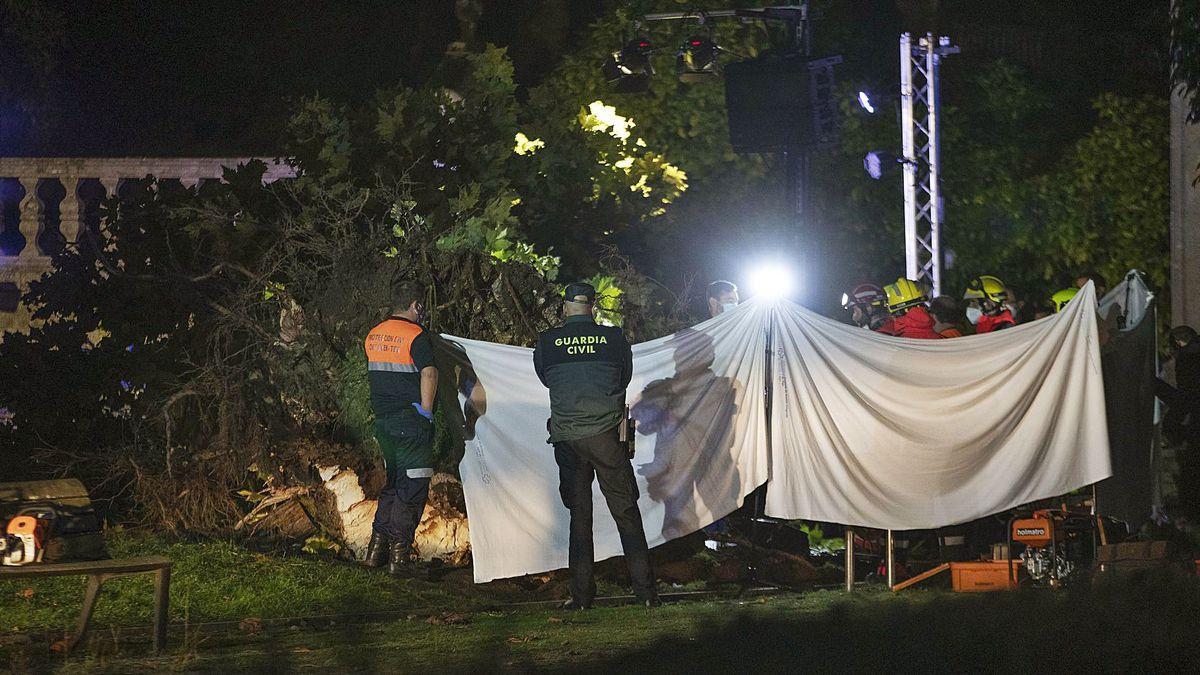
(919, 103)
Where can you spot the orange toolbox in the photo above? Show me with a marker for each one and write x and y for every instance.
(986, 575)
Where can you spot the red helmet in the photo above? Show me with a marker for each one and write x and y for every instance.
(864, 295)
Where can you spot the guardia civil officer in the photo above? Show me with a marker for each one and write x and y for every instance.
(587, 367)
(403, 381)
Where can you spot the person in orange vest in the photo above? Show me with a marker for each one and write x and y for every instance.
(403, 383)
(987, 304)
(906, 301)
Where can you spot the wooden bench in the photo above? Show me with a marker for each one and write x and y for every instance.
(98, 572)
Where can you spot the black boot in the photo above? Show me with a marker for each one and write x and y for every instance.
(377, 551)
(399, 564)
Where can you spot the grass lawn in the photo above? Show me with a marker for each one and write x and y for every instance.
(1145, 624)
(217, 581)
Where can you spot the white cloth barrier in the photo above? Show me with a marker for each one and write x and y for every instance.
(697, 396)
(900, 434)
(867, 429)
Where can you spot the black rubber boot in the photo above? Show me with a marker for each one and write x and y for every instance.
(399, 561)
(377, 551)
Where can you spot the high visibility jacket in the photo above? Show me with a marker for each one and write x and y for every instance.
(915, 323)
(587, 367)
(397, 349)
(1000, 321)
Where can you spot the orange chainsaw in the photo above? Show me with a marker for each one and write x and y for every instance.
(24, 539)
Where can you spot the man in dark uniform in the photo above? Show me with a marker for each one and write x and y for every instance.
(587, 368)
(403, 383)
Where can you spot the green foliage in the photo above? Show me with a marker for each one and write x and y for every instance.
(608, 299)
(818, 543)
(1022, 202)
(206, 345)
(1185, 51)
(1107, 205)
(669, 139)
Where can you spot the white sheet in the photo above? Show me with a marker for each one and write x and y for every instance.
(896, 433)
(867, 430)
(698, 399)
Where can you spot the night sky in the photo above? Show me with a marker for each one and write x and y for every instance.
(128, 78)
(211, 78)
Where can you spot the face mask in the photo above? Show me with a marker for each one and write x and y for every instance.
(728, 307)
(973, 314)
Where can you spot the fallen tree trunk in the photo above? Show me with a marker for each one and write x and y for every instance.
(443, 532)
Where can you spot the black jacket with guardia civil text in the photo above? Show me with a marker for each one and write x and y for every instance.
(587, 367)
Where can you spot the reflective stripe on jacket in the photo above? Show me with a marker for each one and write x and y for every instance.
(397, 349)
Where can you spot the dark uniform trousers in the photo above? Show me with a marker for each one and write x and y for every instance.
(401, 503)
(404, 440)
(601, 456)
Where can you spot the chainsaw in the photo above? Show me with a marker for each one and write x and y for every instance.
(23, 539)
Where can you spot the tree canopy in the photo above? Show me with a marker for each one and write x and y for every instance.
(204, 344)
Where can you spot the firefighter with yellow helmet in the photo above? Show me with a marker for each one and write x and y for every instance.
(906, 300)
(1060, 299)
(987, 299)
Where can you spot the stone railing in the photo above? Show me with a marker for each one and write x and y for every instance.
(46, 202)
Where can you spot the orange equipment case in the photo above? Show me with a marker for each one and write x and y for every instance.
(986, 575)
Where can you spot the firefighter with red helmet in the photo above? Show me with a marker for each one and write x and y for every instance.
(906, 301)
(987, 304)
(866, 304)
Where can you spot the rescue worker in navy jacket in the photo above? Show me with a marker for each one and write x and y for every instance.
(587, 367)
(403, 383)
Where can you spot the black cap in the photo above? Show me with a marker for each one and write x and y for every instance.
(580, 292)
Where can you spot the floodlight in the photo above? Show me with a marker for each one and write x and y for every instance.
(771, 280)
(629, 68)
(864, 100)
(878, 162)
(697, 59)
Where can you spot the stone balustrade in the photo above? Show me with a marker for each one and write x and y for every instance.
(46, 202)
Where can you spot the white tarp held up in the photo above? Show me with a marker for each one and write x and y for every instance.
(697, 396)
(867, 429)
(1130, 298)
(904, 434)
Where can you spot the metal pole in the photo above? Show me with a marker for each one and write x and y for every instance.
(932, 59)
(760, 509)
(920, 101)
(849, 559)
(911, 254)
(760, 493)
(891, 560)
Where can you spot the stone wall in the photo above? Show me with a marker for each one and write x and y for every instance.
(46, 202)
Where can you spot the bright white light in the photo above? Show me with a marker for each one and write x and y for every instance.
(865, 101)
(771, 280)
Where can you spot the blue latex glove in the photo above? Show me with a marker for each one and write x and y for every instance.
(424, 413)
